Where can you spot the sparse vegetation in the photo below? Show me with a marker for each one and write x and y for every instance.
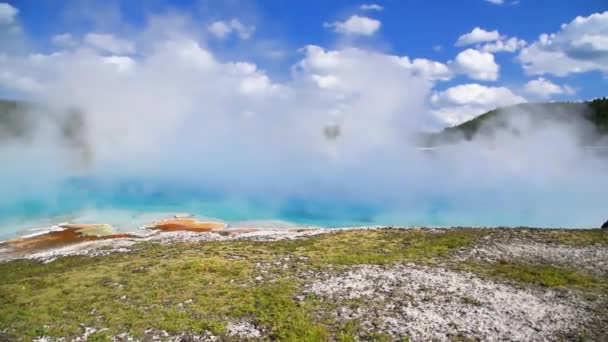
(201, 287)
(544, 275)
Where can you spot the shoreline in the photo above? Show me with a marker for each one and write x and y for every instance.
(69, 239)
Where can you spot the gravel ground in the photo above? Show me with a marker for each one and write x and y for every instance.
(425, 303)
(592, 258)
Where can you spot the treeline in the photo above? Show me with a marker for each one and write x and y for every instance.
(594, 113)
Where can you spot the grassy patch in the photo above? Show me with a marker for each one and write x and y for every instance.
(380, 246)
(199, 287)
(471, 301)
(544, 275)
(576, 236)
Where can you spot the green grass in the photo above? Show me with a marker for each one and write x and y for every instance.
(576, 236)
(471, 301)
(380, 246)
(544, 275)
(197, 287)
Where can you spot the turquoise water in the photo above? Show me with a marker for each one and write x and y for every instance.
(128, 205)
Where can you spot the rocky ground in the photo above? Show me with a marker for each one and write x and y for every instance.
(528, 248)
(433, 303)
(377, 284)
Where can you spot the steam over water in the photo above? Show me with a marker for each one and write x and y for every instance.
(175, 128)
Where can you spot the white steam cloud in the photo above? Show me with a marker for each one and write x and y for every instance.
(176, 114)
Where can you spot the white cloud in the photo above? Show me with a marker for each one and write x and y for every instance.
(477, 94)
(544, 88)
(496, 2)
(189, 54)
(464, 102)
(321, 60)
(10, 80)
(371, 7)
(222, 29)
(428, 69)
(8, 13)
(11, 32)
(122, 63)
(108, 43)
(256, 85)
(494, 41)
(504, 45)
(326, 81)
(356, 25)
(477, 35)
(579, 46)
(477, 65)
(64, 40)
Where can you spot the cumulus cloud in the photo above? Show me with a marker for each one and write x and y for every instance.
(11, 33)
(476, 65)
(477, 35)
(579, 46)
(371, 7)
(356, 25)
(464, 102)
(544, 88)
(64, 40)
(108, 43)
(427, 68)
(223, 29)
(8, 13)
(490, 41)
(512, 44)
(122, 63)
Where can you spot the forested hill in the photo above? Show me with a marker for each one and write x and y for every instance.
(594, 112)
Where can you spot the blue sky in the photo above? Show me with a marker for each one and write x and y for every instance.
(417, 29)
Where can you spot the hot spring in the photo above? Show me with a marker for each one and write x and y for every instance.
(179, 130)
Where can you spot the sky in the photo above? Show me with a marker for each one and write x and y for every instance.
(478, 54)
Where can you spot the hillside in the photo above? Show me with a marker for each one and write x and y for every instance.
(594, 112)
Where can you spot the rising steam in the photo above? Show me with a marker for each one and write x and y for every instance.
(336, 141)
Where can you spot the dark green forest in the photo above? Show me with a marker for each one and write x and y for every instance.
(593, 115)
(595, 112)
